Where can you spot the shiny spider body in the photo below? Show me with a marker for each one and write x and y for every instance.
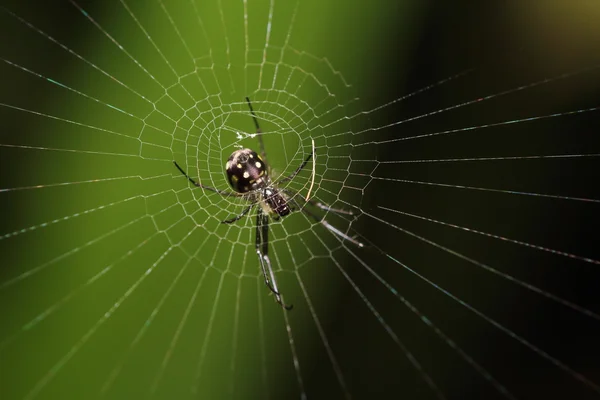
(248, 174)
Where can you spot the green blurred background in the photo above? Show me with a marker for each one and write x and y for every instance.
(124, 284)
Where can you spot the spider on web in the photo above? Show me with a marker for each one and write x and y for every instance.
(248, 175)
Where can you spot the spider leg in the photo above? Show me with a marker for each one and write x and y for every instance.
(327, 225)
(221, 192)
(262, 250)
(322, 206)
(258, 131)
(238, 217)
(293, 175)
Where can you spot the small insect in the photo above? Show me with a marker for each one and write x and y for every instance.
(248, 174)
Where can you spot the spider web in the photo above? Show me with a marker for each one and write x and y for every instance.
(474, 193)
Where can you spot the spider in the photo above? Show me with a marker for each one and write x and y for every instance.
(248, 175)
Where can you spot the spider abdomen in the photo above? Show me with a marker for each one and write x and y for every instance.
(276, 202)
(246, 171)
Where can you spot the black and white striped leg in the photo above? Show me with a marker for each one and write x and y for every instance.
(262, 250)
(322, 206)
(293, 174)
(221, 192)
(258, 132)
(238, 217)
(326, 224)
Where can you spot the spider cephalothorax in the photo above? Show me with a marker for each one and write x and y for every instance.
(248, 174)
